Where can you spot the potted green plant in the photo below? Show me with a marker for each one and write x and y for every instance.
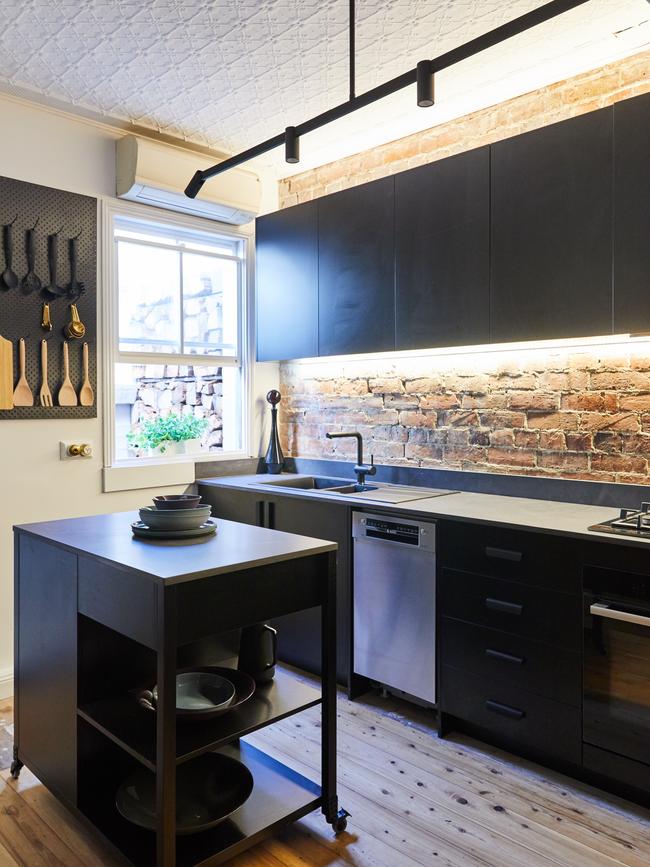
(168, 435)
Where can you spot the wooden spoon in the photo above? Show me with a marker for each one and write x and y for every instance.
(6, 374)
(67, 394)
(22, 394)
(86, 395)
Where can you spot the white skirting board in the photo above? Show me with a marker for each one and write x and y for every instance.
(6, 683)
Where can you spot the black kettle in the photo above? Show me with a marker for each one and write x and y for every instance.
(258, 651)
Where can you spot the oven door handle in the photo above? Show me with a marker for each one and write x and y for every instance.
(601, 609)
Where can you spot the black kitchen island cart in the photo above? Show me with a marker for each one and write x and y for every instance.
(98, 614)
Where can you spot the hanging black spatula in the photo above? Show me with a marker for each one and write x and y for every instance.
(52, 291)
(8, 278)
(30, 282)
(75, 287)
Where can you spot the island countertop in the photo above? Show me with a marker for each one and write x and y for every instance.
(233, 548)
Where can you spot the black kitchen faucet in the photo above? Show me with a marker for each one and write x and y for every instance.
(362, 470)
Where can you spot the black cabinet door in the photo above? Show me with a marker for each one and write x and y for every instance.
(632, 215)
(286, 245)
(356, 288)
(299, 634)
(551, 231)
(442, 253)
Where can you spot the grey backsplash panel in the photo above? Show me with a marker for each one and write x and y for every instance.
(560, 490)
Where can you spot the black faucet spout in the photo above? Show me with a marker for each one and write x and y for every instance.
(362, 470)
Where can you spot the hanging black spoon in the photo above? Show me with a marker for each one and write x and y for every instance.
(52, 291)
(8, 279)
(30, 282)
(74, 288)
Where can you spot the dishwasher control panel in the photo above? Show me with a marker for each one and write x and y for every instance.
(394, 530)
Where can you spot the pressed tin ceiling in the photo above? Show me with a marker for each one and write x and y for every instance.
(229, 73)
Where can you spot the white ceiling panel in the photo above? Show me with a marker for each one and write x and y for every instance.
(229, 73)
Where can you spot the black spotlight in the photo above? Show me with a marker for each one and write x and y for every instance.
(291, 145)
(425, 84)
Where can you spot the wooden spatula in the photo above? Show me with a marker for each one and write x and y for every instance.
(6, 374)
(86, 395)
(22, 394)
(67, 394)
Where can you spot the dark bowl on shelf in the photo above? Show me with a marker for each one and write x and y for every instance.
(171, 502)
(243, 684)
(208, 790)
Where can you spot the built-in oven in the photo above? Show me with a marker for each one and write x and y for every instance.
(616, 675)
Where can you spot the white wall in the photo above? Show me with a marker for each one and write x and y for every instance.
(54, 149)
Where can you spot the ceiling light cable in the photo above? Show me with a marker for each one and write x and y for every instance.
(443, 61)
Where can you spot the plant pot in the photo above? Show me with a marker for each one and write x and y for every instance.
(172, 448)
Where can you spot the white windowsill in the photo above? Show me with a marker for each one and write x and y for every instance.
(141, 473)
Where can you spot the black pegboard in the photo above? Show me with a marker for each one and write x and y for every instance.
(20, 314)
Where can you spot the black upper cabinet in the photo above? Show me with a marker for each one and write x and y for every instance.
(632, 215)
(551, 226)
(287, 283)
(442, 249)
(357, 270)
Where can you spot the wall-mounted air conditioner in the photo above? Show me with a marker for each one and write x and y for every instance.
(154, 173)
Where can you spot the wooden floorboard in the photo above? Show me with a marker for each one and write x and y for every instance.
(414, 799)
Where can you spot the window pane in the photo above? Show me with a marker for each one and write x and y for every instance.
(210, 300)
(149, 298)
(201, 405)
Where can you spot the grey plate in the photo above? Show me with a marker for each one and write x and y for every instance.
(201, 692)
(208, 790)
(179, 519)
(143, 532)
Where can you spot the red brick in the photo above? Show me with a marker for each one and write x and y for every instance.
(484, 401)
(596, 421)
(526, 439)
(553, 420)
(639, 444)
(621, 380)
(423, 385)
(418, 419)
(503, 419)
(606, 441)
(459, 418)
(579, 442)
(422, 452)
(591, 401)
(512, 457)
(563, 460)
(635, 402)
(391, 385)
(533, 400)
(552, 439)
(439, 401)
(470, 454)
(502, 438)
(619, 463)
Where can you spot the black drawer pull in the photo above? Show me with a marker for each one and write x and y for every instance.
(504, 710)
(504, 657)
(503, 554)
(503, 607)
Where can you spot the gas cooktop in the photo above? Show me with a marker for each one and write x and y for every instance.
(630, 522)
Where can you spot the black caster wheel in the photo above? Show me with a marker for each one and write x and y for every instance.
(15, 769)
(341, 822)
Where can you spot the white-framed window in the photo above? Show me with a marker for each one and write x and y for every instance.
(176, 341)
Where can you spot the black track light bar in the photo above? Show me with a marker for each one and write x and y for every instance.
(444, 61)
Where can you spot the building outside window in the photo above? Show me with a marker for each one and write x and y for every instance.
(177, 365)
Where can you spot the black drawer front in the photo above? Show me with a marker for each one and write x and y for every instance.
(618, 768)
(527, 558)
(515, 608)
(513, 716)
(525, 664)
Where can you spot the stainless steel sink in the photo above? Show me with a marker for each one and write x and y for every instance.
(376, 493)
(306, 483)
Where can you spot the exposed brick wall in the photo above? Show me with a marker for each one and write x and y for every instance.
(574, 96)
(570, 413)
(574, 414)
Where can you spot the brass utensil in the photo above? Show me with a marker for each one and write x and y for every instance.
(45, 394)
(22, 394)
(75, 329)
(67, 395)
(86, 395)
(6, 374)
(46, 322)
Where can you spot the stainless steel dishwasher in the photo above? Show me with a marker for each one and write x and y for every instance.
(395, 603)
